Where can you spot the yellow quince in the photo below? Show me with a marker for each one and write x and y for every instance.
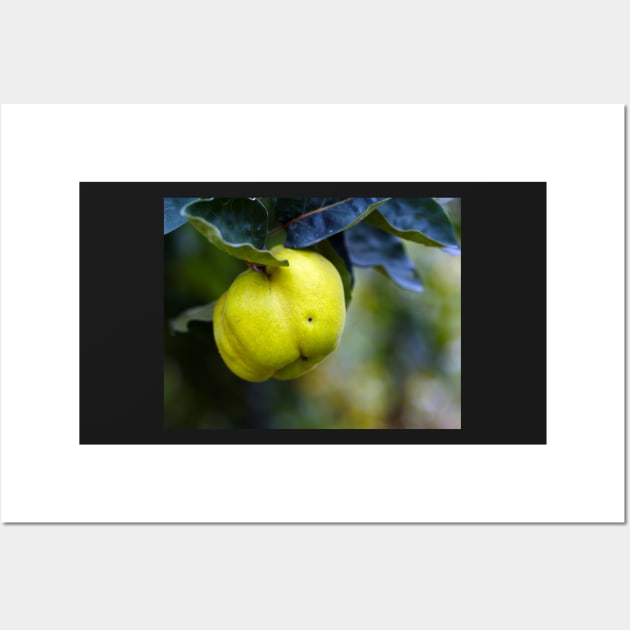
(280, 322)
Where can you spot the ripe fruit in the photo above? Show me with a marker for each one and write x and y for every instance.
(281, 322)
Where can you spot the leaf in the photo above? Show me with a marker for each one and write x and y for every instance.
(236, 226)
(287, 209)
(334, 249)
(268, 202)
(196, 313)
(172, 207)
(370, 246)
(312, 222)
(421, 220)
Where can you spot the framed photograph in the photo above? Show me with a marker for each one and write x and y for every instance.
(355, 339)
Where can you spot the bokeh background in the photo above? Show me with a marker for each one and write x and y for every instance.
(398, 365)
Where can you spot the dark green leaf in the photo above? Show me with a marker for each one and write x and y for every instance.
(421, 220)
(287, 209)
(172, 207)
(269, 203)
(312, 222)
(236, 226)
(196, 313)
(334, 249)
(453, 207)
(369, 246)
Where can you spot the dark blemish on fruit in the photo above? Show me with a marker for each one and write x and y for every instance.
(303, 357)
(310, 319)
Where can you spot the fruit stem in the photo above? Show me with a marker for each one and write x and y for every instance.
(256, 267)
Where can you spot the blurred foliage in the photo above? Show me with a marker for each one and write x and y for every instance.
(398, 364)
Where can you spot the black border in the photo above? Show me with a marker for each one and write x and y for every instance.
(503, 300)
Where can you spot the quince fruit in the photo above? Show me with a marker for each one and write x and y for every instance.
(280, 322)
